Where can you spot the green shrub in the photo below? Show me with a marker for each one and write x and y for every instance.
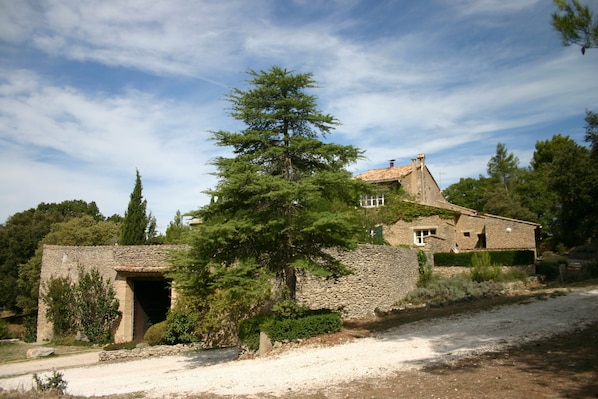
(4, 333)
(308, 326)
(181, 326)
(549, 266)
(454, 289)
(289, 309)
(311, 324)
(249, 330)
(88, 306)
(59, 298)
(503, 258)
(482, 268)
(590, 268)
(514, 275)
(97, 306)
(155, 334)
(30, 323)
(54, 384)
(425, 271)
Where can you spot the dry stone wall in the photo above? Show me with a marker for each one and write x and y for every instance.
(381, 276)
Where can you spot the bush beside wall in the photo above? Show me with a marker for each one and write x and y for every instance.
(501, 258)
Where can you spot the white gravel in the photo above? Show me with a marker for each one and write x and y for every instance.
(317, 368)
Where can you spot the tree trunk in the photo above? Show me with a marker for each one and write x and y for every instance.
(290, 279)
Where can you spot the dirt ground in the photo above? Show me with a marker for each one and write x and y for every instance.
(563, 366)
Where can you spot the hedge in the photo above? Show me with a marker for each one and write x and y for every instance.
(315, 323)
(502, 258)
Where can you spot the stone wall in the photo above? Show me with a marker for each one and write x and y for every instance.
(381, 276)
(63, 261)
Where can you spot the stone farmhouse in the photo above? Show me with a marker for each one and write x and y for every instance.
(468, 230)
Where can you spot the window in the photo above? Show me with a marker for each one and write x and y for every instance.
(371, 201)
(420, 234)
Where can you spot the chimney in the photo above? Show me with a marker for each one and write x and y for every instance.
(392, 163)
(421, 157)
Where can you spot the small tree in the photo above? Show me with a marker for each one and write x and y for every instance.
(97, 306)
(59, 298)
(136, 220)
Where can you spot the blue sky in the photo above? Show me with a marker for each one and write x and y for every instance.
(90, 91)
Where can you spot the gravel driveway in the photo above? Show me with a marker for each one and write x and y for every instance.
(410, 346)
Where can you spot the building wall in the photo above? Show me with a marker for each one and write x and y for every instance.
(509, 234)
(422, 187)
(402, 233)
(467, 231)
(62, 261)
(381, 276)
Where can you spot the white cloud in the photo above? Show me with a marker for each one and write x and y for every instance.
(450, 79)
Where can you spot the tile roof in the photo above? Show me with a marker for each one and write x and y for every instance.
(386, 174)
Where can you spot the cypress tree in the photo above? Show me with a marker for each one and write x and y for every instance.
(136, 220)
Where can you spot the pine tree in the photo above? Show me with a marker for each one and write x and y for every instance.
(135, 221)
(282, 200)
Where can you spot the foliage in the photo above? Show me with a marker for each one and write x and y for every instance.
(288, 309)
(181, 325)
(576, 24)
(397, 208)
(482, 268)
(155, 334)
(280, 202)
(80, 230)
(502, 166)
(20, 237)
(55, 383)
(592, 132)
(590, 268)
(136, 221)
(4, 332)
(310, 324)
(30, 323)
(469, 192)
(177, 232)
(249, 330)
(88, 306)
(503, 258)
(455, 289)
(549, 266)
(61, 310)
(97, 306)
(425, 271)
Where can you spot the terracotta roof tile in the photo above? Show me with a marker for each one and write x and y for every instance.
(385, 174)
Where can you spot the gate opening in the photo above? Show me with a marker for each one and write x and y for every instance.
(152, 302)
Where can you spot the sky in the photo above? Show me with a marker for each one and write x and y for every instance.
(91, 91)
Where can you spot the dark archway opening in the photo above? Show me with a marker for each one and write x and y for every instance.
(152, 302)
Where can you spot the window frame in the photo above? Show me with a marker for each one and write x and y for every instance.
(371, 201)
(420, 234)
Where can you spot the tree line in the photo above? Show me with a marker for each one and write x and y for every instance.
(558, 190)
(72, 222)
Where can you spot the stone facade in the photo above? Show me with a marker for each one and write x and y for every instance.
(381, 276)
(469, 230)
(115, 263)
